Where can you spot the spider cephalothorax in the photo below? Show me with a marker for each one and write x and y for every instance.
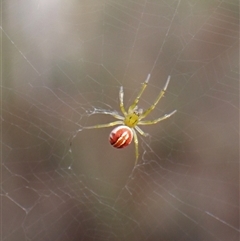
(122, 135)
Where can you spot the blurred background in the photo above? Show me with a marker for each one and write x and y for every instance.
(63, 63)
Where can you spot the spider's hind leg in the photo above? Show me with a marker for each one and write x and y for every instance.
(114, 123)
(141, 131)
(136, 146)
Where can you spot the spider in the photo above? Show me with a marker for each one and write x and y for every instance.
(122, 135)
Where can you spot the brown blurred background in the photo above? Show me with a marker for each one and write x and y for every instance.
(63, 63)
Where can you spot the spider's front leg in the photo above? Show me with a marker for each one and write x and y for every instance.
(161, 94)
(121, 93)
(132, 107)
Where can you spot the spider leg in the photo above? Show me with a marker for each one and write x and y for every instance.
(116, 116)
(121, 101)
(112, 114)
(132, 107)
(150, 122)
(96, 126)
(141, 131)
(161, 94)
(136, 145)
(114, 123)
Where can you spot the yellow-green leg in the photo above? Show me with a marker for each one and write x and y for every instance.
(151, 122)
(132, 107)
(146, 112)
(104, 125)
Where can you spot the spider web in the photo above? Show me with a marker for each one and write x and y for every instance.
(62, 66)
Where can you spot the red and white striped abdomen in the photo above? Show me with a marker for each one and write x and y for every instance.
(121, 136)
